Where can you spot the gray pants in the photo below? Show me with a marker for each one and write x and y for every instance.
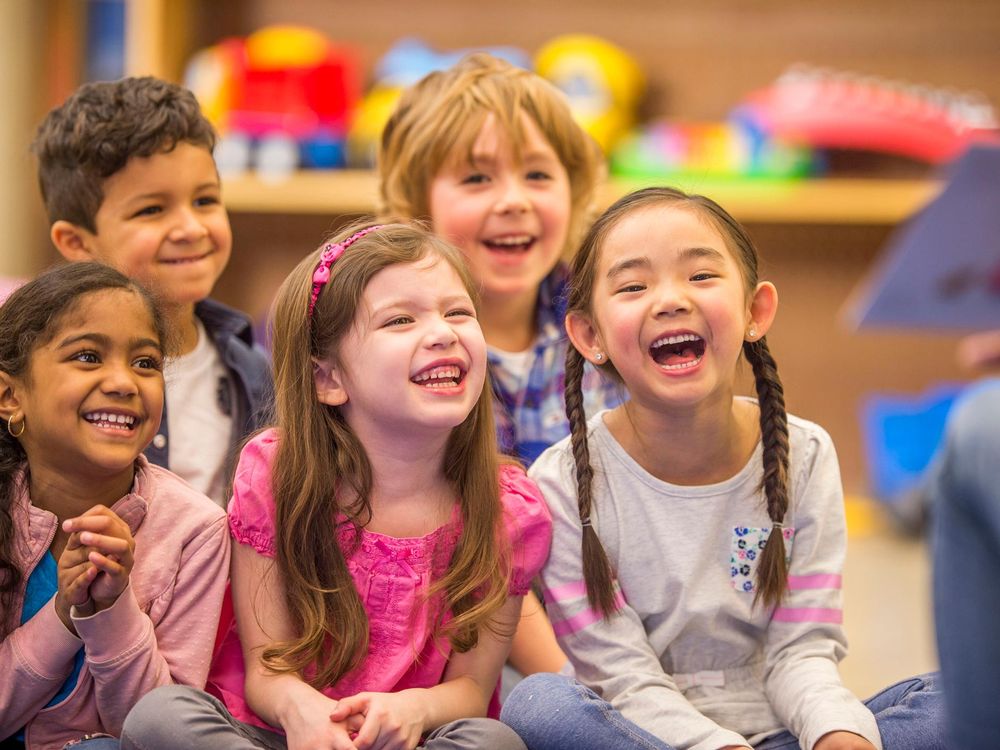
(183, 718)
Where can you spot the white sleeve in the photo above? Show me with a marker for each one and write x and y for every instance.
(611, 656)
(805, 640)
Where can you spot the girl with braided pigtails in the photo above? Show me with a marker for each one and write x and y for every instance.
(698, 536)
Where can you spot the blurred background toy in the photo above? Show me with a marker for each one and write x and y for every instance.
(404, 64)
(831, 109)
(282, 98)
(718, 150)
(604, 83)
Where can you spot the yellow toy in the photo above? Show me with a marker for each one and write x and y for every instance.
(603, 82)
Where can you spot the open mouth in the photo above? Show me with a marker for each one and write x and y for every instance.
(678, 352)
(110, 421)
(512, 245)
(444, 376)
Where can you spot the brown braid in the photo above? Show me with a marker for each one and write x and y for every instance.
(772, 568)
(597, 573)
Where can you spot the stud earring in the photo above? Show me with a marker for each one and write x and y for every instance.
(752, 333)
(598, 357)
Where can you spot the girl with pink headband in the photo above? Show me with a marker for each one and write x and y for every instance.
(381, 546)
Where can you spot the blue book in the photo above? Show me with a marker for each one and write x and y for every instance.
(941, 270)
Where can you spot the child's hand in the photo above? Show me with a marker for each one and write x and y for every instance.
(311, 727)
(843, 741)
(392, 721)
(75, 574)
(106, 542)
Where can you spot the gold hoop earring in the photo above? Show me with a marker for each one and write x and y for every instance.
(10, 421)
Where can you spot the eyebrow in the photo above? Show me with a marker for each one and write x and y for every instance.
(163, 193)
(690, 253)
(533, 156)
(102, 340)
(406, 303)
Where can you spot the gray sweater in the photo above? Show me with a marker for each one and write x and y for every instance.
(687, 657)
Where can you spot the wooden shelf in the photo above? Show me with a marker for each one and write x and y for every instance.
(820, 201)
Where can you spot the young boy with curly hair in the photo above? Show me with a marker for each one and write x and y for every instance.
(128, 179)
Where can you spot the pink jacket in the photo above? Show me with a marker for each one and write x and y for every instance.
(160, 631)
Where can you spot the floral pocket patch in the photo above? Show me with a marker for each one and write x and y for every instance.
(747, 545)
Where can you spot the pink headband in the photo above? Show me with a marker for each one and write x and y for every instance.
(327, 258)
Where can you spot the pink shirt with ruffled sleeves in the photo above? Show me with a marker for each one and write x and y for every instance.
(391, 574)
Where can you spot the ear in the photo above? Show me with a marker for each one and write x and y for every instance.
(329, 384)
(10, 404)
(763, 307)
(72, 241)
(585, 337)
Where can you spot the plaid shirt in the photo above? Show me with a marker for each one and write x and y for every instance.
(530, 413)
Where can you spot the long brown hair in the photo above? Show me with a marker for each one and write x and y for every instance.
(320, 461)
(772, 571)
(29, 318)
(441, 116)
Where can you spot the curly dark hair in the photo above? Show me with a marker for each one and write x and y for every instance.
(102, 125)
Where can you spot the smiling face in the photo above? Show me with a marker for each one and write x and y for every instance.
(414, 362)
(162, 223)
(93, 394)
(670, 308)
(509, 216)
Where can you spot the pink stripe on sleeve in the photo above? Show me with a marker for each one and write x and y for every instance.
(808, 614)
(578, 622)
(816, 581)
(575, 590)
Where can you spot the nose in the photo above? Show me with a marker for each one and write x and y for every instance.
(188, 226)
(119, 380)
(440, 334)
(513, 197)
(671, 300)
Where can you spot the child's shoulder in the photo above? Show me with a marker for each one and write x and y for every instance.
(804, 432)
(520, 497)
(162, 489)
(219, 317)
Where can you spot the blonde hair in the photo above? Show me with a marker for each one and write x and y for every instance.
(320, 461)
(772, 570)
(442, 114)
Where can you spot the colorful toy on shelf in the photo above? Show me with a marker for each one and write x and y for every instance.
(282, 98)
(604, 83)
(716, 150)
(828, 109)
(404, 64)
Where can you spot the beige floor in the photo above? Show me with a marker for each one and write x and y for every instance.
(887, 604)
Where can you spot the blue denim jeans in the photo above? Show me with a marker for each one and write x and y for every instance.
(965, 492)
(552, 712)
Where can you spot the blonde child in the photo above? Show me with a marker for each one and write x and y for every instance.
(489, 155)
(699, 536)
(128, 179)
(380, 549)
(112, 570)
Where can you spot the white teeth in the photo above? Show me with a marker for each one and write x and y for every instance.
(447, 372)
(123, 419)
(522, 239)
(682, 366)
(678, 339)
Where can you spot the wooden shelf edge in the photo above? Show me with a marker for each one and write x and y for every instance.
(819, 201)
